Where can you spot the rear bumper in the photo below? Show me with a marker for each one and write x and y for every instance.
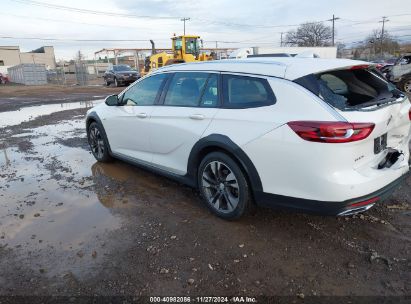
(347, 207)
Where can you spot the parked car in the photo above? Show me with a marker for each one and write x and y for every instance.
(121, 74)
(328, 136)
(3, 79)
(400, 73)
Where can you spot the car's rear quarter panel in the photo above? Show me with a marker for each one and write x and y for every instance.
(291, 166)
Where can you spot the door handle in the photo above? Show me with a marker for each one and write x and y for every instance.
(141, 115)
(197, 116)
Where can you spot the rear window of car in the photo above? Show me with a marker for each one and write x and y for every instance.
(246, 92)
(350, 88)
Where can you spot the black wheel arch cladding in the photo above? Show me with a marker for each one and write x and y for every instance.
(219, 142)
(93, 117)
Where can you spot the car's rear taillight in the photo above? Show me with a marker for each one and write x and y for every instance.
(331, 132)
(409, 114)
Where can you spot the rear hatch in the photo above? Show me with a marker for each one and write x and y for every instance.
(360, 94)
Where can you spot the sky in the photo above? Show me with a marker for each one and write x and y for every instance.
(233, 23)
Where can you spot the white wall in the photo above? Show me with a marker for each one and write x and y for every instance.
(322, 52)
(3, 69)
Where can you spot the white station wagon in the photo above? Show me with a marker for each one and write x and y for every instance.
(315, 135)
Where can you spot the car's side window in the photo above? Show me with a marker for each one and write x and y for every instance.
(210, 94)
(246, 92)
(144, 92)
(185, 89)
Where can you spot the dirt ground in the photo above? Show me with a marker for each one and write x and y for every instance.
(13, 97)
(70, 226)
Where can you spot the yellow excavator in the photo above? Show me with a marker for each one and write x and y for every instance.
(185, 49)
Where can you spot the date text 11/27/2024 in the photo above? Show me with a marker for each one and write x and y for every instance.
(187, 299)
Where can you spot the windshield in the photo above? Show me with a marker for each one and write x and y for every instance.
(352, 88)
(122, 67)
(192, 46)
(178, 44)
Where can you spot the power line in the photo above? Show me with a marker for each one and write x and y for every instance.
(74, 40)
(121, 40)
(112, 14)
(73, 21)
(88, 11)
(94, 12)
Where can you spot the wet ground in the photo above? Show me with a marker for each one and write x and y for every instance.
(71, 226)
(14, 96)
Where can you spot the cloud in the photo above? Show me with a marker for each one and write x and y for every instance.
(253, 22)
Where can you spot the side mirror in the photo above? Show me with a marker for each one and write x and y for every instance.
(112, 100)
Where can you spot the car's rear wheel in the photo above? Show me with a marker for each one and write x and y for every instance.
(223, 186)
(98, 145)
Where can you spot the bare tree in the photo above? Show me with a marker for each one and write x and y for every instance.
(310, 34)
(375, 42)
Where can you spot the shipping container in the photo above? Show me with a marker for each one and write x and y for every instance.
(28, 74)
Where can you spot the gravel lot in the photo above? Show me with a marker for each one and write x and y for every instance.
(71, 226)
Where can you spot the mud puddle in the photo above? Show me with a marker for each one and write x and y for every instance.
(72, 226)
(12, 118)
(47, 199)
(58, 207)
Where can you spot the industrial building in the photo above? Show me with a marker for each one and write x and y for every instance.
(11, 56)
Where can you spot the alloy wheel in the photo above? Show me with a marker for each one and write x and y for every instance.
(96, 142)
(220, 186)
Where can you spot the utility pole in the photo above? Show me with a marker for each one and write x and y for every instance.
(281, 41)
(384, 19)
(184, 20)
(333, 21)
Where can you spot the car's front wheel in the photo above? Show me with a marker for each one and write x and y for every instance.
(406, 85)
(98, 145)
(107, 83)
(223, 186)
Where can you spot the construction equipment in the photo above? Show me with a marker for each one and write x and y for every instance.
(184, 49)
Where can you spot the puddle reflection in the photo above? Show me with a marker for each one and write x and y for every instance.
(13, 118)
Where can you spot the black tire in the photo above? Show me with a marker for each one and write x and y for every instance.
(98, 144)
(116, 83)
(234, 198)
(107, 83)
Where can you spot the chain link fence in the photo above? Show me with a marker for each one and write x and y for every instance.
(79, 73)
(82, 75)
(56, 76)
